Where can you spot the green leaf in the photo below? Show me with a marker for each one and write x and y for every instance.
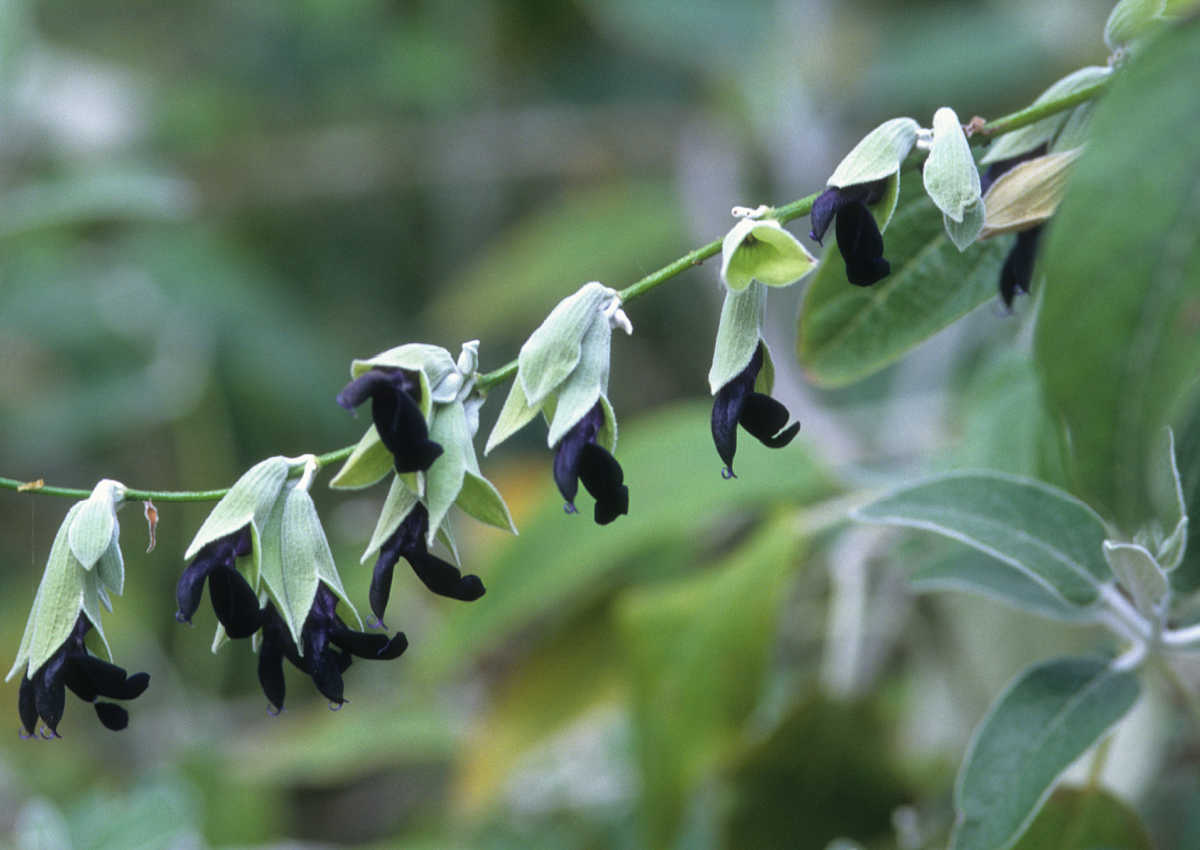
(368, 464)
(1048, 717)
(1138, 572)
(950, 176)
(1170, 506)
(1114, 343)
(57, 603)
(1049, 535)
(250, 500)
(739, 333)
(578, 394)
(552, 351)
(1005, 425)
(1185, 579)
(762, 250)
(1085, 819)
(971, 571)
(878, 154)
(1074, 133)
(846, 332)
(95, 527)
(1041, 132)
(698, 649)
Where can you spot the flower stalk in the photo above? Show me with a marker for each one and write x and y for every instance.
(978, 133)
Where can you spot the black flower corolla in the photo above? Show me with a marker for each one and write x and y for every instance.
(441, 577)
(858, 235)
(395, 409)
(233, 599)
(329, 647)
(578, 457)
(1017, 271)
(72, 666)
(764, 417)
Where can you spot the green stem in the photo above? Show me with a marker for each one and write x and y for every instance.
(1038, 111)
(695, 257)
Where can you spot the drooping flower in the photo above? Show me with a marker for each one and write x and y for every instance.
(233, 599)
(764, 417)
(858, 235)
(409, 541)
(395, 395)
(328, 644)
(562, 372)
(1017, 272)
(44, 694)
(862, 195)
(758, 248)
(579, 457)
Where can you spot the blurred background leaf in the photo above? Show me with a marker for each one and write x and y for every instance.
(1137, 276)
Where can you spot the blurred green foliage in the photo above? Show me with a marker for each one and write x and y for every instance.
(209, 209)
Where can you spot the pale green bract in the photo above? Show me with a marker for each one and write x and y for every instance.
(84, 565)
(952, 180)
(95, 529)
(878, 155)
(762, 250)
(1131, 19)
(250, 500)
(552, 351)
(562, 370)
(739, 333)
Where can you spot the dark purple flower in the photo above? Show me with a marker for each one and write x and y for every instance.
(72, 666)
(329, 647)
(578, 457)
(764, 417)
(395, 408)
(233, 599)
(858, 235)
(1017, 272)
(439, 576)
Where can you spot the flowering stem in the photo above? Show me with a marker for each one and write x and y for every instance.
(1033, 114)
(783, 214)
